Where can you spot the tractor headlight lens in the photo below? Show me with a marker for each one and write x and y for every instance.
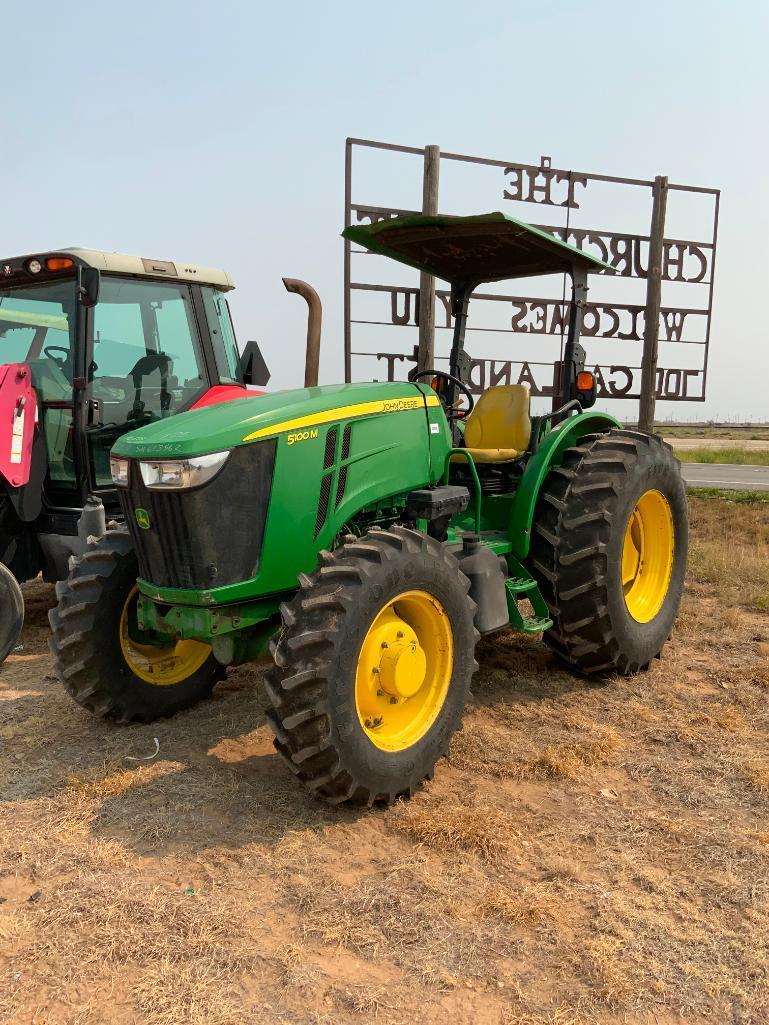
(182, 473)
(119, 469)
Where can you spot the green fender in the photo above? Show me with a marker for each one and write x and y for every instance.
(548, 455)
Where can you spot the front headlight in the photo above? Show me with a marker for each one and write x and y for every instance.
(160, 474)
(119, 469)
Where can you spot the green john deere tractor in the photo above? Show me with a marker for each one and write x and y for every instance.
(368, 534)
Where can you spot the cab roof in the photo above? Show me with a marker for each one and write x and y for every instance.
(484, 247)
(121, 263)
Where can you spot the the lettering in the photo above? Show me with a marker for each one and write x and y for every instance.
(297, 436)
(538, 185)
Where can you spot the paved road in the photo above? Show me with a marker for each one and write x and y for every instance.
(726, 475)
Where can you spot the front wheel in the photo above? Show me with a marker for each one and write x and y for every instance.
(373, 667)
(609, 551)
(11, 612)
(106, 663)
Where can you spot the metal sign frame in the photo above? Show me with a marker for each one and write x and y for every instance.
(675, 260)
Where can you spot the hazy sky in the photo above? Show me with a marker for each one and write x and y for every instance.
(215, 133)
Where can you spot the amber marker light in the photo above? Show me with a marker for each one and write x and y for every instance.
(585, 381)
(59, 263)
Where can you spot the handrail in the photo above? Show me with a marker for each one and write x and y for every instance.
(471, 462)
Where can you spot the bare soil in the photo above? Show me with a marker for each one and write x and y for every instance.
(590, 852)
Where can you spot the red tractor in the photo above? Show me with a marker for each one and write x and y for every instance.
(93, 345)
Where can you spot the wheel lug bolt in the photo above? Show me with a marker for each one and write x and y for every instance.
(385, 644)
(380, 693)
(399, 634)
(376, 669)
(393, 701)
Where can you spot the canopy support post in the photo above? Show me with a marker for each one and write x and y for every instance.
(426, 297)
(459, 361)
(565, 378)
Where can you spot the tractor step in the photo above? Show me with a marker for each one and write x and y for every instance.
(521, 585)
(530, 624)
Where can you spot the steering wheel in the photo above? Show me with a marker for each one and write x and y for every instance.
(61, 362)
(453, 412)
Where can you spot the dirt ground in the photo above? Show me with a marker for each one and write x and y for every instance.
(590, 852)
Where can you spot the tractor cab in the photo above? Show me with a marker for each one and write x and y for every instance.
(467, 252)
(93, 345)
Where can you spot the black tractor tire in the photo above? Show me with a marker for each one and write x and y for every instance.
(86, 643)
(314, 714)
(11, 612)
(581, 519)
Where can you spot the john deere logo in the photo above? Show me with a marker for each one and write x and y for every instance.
(143, 519)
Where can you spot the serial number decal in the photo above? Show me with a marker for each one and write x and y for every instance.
(296, 436)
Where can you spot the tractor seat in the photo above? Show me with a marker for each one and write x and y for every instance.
(499, 427)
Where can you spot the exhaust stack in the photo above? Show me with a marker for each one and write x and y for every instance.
(314, 319)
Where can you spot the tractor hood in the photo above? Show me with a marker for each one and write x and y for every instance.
(485, 247)
(242, 421)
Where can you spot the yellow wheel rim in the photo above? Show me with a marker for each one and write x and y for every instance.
(162, 667)
(404, 670)
(647, 556)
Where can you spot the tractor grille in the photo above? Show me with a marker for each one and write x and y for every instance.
(326, 481)
(205, 537)
(342, 485)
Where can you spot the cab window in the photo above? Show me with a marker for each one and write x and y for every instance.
(222, 336)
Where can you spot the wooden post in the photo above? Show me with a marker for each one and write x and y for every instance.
(426, 312)
(653, 300)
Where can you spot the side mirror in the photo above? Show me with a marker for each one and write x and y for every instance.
(88, 286)
(252, 365)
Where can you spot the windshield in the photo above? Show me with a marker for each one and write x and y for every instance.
(37, 326)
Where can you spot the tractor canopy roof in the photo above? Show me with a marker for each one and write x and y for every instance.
(13, 271)
(461, 250)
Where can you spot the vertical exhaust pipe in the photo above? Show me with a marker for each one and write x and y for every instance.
(314, 318)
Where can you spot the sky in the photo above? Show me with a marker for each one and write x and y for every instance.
(215, 134)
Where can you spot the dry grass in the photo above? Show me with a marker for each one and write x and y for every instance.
(483, 830)
(527, 905)
(590, 854)
(731, 555)
(560, 1016)
(755, 772)
(568, 761)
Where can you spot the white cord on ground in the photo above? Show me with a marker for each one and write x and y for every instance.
(145, 758)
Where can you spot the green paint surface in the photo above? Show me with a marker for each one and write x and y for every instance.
(392, 451)
(395, 443)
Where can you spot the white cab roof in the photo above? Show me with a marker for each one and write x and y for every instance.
(120, 263)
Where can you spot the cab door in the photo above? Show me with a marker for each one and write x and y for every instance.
(147, 362)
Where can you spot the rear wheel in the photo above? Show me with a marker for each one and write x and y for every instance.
(373, 667)
(609, 551)
(105, 662)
